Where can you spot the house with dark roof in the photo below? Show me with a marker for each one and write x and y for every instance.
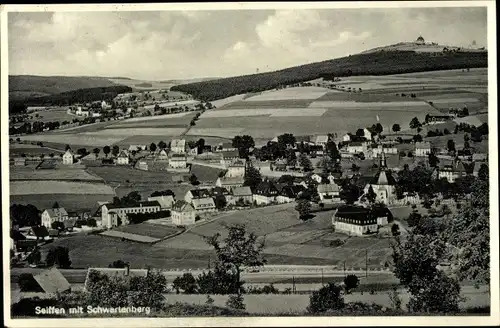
(265, 193)
(38, 233)
(197, 194)
(451, 171)
(52, 281)
(183, 213)
(111, 213)
(354, 220)
(289, 193)
(228, 157)
(225, 146)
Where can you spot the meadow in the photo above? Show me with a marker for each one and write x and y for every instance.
(52, 115)
(72, 202)
(148, 229)
(59, 174)
(129, 236)
(38, 187)
(30, 150)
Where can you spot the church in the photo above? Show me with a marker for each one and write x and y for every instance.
(383, 183)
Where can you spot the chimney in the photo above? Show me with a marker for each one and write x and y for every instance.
(127, 270)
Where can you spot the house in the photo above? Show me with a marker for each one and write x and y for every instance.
(225, 146)
(179, 178)
(52, 215)
(68, 157)
(220, 191)
(434, 119)
(265, 193)
(383, 183)
(38, 232)
(197, 194)
(165, 201)
(142, 165)
(122, 158)
(114, 215)
(52, 281)
(240, 195)
(125, 273)
(367, 134)
(479, 157)
(204, 205)
(321, 140)
(357, 147)
(19, 161)
(236, 168)
(452, 171)
(178, 146)
(178, 161)
(288, 194)
(422, 148)
(15, 237)
(387, 149)
(354, 220)
(228, 157)
(137, 148)
(316, 177)
(382, 214)
(183, 213)
(346, 137)
(329, 193)
(316, 150)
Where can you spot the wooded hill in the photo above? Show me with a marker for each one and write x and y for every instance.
(377, 63)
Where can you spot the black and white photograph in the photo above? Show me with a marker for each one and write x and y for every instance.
(243, 164)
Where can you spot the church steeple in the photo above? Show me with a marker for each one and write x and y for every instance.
(383, 162)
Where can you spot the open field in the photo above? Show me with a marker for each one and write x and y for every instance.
(72, 202)
(53, 115)
(442, 141)
(75, 139)
(58, 174)
(28, 150)
(160, 121)
(39, 187)
(125, 132)
(179, 103)
(226, 101)
(268, 104)
(290, 93)
(148, 229)
(129, 236)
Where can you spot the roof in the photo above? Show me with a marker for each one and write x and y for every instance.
(179, 177)
(200, 193)
(182, 206)
(322, 138)
(266, 188)
(164, 201)
(70, 223)
(328, 187)
(178, 143)
(123, 154)
(68, 152)
(423, 145)
(383, 177)
(203, 202)
(227, 145)
(238, 162)
(178, 157)
(139, 204)
(229, 154)
(350, 212)
(242, 191)
(52, 281)
(292, 191)
(355, 144)
(220, 191)
(232, 181)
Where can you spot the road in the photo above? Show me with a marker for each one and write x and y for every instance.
(77, 276)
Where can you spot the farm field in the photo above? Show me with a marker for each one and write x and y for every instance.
(126, 132)
(442, 141)
(148, 229)
(171, 120)
(129, 236)
(75, 139)
(226, 101)
(179, 103)
(28, 150)
(40, 187)
(289, 93)
(59, 174)
(51, 115)
(72, 202)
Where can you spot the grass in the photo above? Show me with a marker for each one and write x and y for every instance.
(53, 115)
(58, 174)
(71, 202)
(38, 187)
(31, 151)
(129, 236)
(148, 229)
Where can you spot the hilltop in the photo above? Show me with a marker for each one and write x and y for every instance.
(373, 62)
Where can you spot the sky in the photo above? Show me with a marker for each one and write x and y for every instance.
(162, 45)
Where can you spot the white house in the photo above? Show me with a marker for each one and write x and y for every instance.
(204, 205)
(357, 147)
(178, 146)
(122, 158)
(354, 220)
(316, 177)
(52, 215)
(112, 214)
(230, 183)
(387, 149)
(236, 169)
(422, 148)
(68, 157)
(242, 194)
(197, 194)
(322, 140)
(265, 193)
(162, 155)
(183, 213)
(452, 172)
(177, 161)
(165, 201)
(329, 193)
(228, 157)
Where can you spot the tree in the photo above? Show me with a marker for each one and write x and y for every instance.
(220, 202)
(57, 225)
(236, 302)
(238, 249)
(305, 162)
(106, 150)
(378, 128)
(252, 177)
(395, 230)
(24, 215)
(286, 179)
(326, 298)
(118, 264)
(483, 173)
(56, 205)
(450, 145)
(35, 256)
(59, 257)
(396, 128)
(414, 219)
(96, 152)
(186, 283)
(286, 140)
(417, 138)
(350, 193)
(433, 160)
(162, 145)
(351, 281)
(152, 147)
(360, 133)
(193, 179)
(68, 147)
(371, 196)
(115, 150)
(243, 144)
(303, 207)
(415, 123)
(291, 158)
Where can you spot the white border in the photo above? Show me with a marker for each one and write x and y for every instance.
(494, 319)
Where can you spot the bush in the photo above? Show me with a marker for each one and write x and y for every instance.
(58, 256)
(186, 283)
(351, 281)
(326, 298)
(27, 283)
(236, 302)
(118, 264)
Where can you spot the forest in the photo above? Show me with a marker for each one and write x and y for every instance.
(378, 63)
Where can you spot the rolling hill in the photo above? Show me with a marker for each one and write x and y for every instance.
(378, 62)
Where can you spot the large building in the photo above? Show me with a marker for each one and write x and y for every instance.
(112, 214)
(52, 215)
(183, 213)
(452, 171)
(265, 193)
(383, 183)
(422, 149)
(329, 193)
(178, 161)
(354, 220)
(178, 146)
(68, 157)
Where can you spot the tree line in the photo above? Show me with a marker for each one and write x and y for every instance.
(379, 63)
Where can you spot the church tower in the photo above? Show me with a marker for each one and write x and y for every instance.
(383, 161)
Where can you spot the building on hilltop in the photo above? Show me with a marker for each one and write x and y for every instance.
(112, 214)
